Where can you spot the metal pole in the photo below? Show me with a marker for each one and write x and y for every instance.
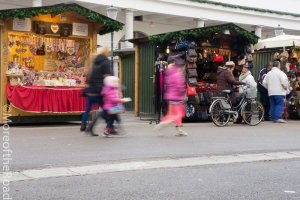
(112, 53)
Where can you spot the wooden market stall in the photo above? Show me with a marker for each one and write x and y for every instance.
(44, 60)
(212, 46)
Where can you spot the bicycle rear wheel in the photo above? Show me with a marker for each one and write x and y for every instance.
(252, 112)
(218, 115)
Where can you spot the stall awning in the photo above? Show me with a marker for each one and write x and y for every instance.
(22, 13)
(278, 42)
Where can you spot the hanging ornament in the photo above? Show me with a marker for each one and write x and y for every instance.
(49, 48)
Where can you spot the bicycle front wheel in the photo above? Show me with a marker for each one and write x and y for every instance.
(218, 114)
(252, 112)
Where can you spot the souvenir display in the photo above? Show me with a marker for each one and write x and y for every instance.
(31, 54)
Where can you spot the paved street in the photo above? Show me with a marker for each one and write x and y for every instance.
(182, 169)
(249, 181)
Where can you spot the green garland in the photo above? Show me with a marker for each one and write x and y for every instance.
(245, 7)
(110, 25)
(201, 31)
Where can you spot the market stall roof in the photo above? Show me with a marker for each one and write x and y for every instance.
(253, 39)
(22, 13)
(278, 41)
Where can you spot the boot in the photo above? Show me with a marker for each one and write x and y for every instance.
(90, 128)
(180, 132)
(83, 126)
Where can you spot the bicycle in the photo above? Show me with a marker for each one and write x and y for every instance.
(221, 109)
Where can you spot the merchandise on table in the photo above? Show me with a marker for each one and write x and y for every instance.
(46, 61)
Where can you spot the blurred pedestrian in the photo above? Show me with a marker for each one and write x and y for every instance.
(264, 97)
(276, 82)
(101, 68)
(112, 99)
(175, 94)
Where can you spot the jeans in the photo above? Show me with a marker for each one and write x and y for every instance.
(264, 100)
(276, 105)
(110, 119)
(91, 101)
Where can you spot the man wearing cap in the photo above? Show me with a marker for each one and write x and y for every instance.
(276, 82)
(225, 77)
(264, 97)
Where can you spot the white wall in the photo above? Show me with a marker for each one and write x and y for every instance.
(143, 27)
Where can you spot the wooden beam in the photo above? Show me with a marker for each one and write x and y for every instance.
(4, 63)
(136, 92)
(120, 70)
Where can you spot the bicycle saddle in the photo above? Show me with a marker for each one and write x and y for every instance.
(226, 91)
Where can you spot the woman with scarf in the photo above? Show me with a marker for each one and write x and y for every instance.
(249, 85)
(247, 78)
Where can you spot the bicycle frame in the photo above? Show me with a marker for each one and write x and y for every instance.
(233, 109)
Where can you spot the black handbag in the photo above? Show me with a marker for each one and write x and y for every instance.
(192, 53)
(192, 45)
(191, 65)
(192, 73)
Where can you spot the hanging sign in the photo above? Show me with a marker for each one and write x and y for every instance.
(49, 64)
(22, 24)
(80, 29)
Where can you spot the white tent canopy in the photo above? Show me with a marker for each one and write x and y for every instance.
(279, 41)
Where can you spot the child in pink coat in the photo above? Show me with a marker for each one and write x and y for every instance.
(111, 97)
(175, 94)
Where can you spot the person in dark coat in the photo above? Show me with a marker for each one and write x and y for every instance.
(264, 97)
(225, 77)
(101, 69)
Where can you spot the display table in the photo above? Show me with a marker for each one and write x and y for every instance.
(39, 99)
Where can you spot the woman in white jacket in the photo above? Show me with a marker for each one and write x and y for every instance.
(246, 77)
(250, 86)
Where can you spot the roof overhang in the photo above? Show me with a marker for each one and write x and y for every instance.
(22, 13)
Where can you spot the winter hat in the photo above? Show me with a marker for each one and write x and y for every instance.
(230, 64)
(111, 80)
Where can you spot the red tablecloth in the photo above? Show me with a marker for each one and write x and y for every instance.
(46, 99)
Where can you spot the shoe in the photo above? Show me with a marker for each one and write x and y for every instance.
(83, 126)
(106, 132)
(280, 121)
(162, 125)
(92, 133)
(113, 131)
(180, 132)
